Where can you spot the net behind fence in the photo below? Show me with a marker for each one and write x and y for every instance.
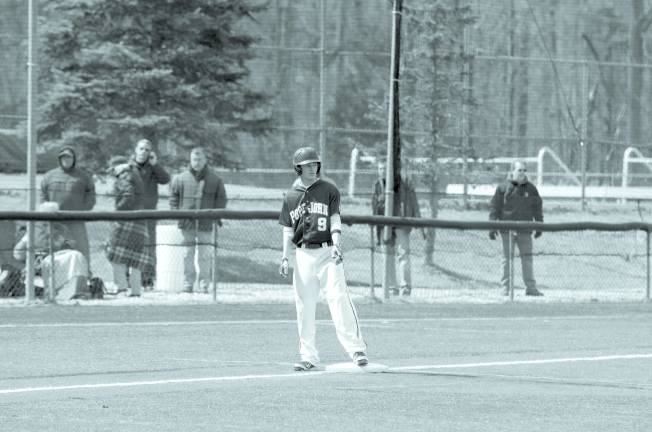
(448, 263)
(478, 79)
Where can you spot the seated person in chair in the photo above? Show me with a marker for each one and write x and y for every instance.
(66, 266)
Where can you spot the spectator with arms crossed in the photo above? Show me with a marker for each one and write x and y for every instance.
(197, 188)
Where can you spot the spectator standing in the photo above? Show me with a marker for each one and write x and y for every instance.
(126, 250)
(152, 174)
(378, 200)
(430, 234)
(72, 188)
(399, 279)
(197, 188)
(517, 200)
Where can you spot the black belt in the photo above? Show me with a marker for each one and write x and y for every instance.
(316, 245)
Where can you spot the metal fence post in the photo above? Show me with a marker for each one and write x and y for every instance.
(647, 286)
(50, 294)
(195, 262)
(373, 252)
(510, 261)
(214, 269)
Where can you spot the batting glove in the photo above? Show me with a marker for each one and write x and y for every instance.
(336, 254)
(284, 268)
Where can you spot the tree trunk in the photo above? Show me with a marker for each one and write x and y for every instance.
(636, 74)
(283, 77)
(513, 71)
(523, 89)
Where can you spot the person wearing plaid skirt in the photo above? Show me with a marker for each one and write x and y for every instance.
(126, 250)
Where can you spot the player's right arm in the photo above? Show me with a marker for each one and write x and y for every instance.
(287, 235)
(284, 268)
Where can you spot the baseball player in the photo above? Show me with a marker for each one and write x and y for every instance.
(311, 221)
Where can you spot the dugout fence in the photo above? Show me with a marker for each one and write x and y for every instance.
(579, 261)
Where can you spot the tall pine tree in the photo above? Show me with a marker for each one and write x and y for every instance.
(172, 71)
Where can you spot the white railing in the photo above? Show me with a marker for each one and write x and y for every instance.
(538, 160)
(562, 165)
(633, 155)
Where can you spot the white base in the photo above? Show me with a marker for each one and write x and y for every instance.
(349, 367)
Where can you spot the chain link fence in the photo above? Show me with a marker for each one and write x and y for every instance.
(526, 76)
(576, 264)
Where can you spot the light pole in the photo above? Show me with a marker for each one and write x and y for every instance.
(393, 133)
(31, 143)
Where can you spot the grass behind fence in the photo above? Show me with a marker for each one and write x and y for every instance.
(249, 251)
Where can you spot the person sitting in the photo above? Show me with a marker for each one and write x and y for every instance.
(56, 259)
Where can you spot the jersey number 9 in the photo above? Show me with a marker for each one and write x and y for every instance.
(321, 224)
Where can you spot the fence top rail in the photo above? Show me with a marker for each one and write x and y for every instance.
(347, 219)
(497, 225)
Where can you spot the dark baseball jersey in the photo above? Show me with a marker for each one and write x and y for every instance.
(308, 211)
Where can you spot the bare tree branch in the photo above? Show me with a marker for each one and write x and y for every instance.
(645, 21)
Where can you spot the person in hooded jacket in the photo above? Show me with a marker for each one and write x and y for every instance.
(72, 188)
(517, 200)
(197, 188)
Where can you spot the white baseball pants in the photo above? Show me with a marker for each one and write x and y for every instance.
(316, 271)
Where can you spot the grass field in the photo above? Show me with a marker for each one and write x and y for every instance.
(458, 356)
(534, 367)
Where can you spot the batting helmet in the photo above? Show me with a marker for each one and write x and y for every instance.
(305, 155)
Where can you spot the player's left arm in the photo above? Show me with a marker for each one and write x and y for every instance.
(336, 235)
(335, 225)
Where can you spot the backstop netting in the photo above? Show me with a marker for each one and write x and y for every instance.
(479, 80)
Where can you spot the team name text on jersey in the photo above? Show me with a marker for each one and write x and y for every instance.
(312, 208)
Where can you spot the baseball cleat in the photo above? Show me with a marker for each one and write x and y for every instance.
(360, 359)
(303, 366)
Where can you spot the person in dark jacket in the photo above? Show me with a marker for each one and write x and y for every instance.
(126, 250)
(72, 188)
(197, 188)
(406, 204)
(517, 200)
(152, 174)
